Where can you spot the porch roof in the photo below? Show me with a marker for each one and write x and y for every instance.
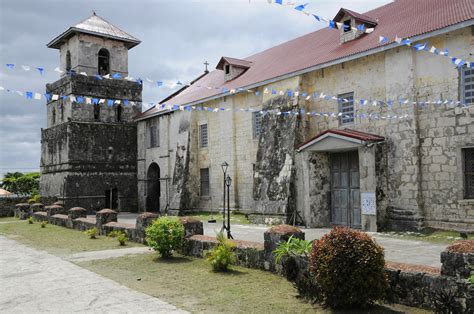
(349, 136)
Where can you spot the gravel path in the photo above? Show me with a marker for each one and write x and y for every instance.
(34, 281)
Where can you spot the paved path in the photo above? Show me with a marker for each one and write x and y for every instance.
(33, 281)
(396, 250)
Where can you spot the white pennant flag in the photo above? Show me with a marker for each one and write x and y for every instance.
(265, 91)
(88, 101)
(149, 80)
(339, 25)
(398, 39)
(26, 68)
(369, 30)
(83, 73)
(117, 102)
(54, 97)
(37, 96)
(72, 98)
(19, 93)
(101, 101)
(2, 88)
(433, 49)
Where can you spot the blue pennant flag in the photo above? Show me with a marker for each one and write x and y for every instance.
(40, 70)
(209, 109)
(383, 40)
(29, 95)
(139, 81)
(332, 24)
(317, 18)
(419, 47)
(95, 101)
(79, 99)
(98, 77)
(274, 92)
(175, 107)
(10, 66)
(222, 109)
(159, 83)
(47, 96)
(179, 83)
(304, 94)
(225, 90)
(116, 76)
(405, 42)
(257, 93)
(125, 102)
(301, 7)
(110, 102)
(361, 27)
(64, 97)
(290, 93)
(279, 2)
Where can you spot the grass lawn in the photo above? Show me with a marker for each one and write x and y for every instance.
(432, 236)
(56, 240)
(217, 215)
(9, 219)
(189, 284)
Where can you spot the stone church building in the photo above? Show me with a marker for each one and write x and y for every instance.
(401, 159)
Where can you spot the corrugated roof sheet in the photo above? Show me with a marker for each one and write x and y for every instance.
(402, 18)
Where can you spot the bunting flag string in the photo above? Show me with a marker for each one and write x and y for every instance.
(314, 96)
(383, 40)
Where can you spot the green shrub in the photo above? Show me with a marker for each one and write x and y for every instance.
(30, 220)
(36, 198)
(115, 233)
(43, 224)
(349, 268)
(92, 233)
(165, 235)
(122, 239)
(292, 247)
(222, 255)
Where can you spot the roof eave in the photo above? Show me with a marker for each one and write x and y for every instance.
(56, 42)
(372, 51)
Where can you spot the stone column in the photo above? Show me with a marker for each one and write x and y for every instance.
(104, 216)
(192, 226)
(143, 221)
(22, 210)
(74, 213)
(274, 236)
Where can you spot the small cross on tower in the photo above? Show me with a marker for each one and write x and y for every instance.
(206, 64)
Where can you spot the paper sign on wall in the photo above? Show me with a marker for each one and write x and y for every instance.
(368, 205)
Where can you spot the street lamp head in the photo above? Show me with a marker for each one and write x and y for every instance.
(224, 166)
(228, 180)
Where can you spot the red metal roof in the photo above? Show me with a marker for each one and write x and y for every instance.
(358, 135)
(402, 18)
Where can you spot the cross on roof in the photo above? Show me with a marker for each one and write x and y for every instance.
(206, 64)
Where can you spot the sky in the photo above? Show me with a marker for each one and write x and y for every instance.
(177, 36)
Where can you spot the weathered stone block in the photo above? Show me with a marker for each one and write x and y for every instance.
(143, 221)
(74, 213)
(104, 216)
(456, 264)
(36, 207)
(128, 229)
(40, 216)
(192, 226)
(54, 209)
(22, 210)
(59, 220)
(273, 237)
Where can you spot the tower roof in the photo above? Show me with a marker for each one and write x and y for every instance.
(95, 25)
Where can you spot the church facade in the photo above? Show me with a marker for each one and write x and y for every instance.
(331, 128)
(401, 159)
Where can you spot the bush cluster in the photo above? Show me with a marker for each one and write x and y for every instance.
(165, 235)
(349, 268)
(222, 255)
(92, 233)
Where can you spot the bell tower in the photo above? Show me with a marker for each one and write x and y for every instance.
(89, 148)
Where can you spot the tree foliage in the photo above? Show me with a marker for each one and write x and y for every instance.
(22, 184)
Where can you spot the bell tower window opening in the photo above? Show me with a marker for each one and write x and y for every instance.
(118, 112)
(227, 68)
(104, 62)
(68, 61)
(97, 112)
(53, 118)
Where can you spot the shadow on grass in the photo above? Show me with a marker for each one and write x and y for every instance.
(375, 309)
(229, 272)
(171, 260)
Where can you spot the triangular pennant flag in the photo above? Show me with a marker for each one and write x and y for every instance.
(29, 95)
(301, 7)
(10, 66)
(37, 96)
(40, 70)
(383, 40)
(25, 67)
(317, 17)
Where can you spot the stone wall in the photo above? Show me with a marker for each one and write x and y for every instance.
(7, 204)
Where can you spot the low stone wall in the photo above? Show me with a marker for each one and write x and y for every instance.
(7, 204)
(128, 229)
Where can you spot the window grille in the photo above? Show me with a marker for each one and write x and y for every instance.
(203, 135)
(467, 85)
(257, 124)
(205, 182)
(468, 173)
(346, 108)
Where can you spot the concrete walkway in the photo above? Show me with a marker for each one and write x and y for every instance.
(396, 250)
(34, 281)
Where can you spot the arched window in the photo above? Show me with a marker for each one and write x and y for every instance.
(118, 113)
(68, 61)
(97, 112)
(104, 62)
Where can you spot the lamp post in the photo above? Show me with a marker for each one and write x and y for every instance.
(224, 167)
(228, 182)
